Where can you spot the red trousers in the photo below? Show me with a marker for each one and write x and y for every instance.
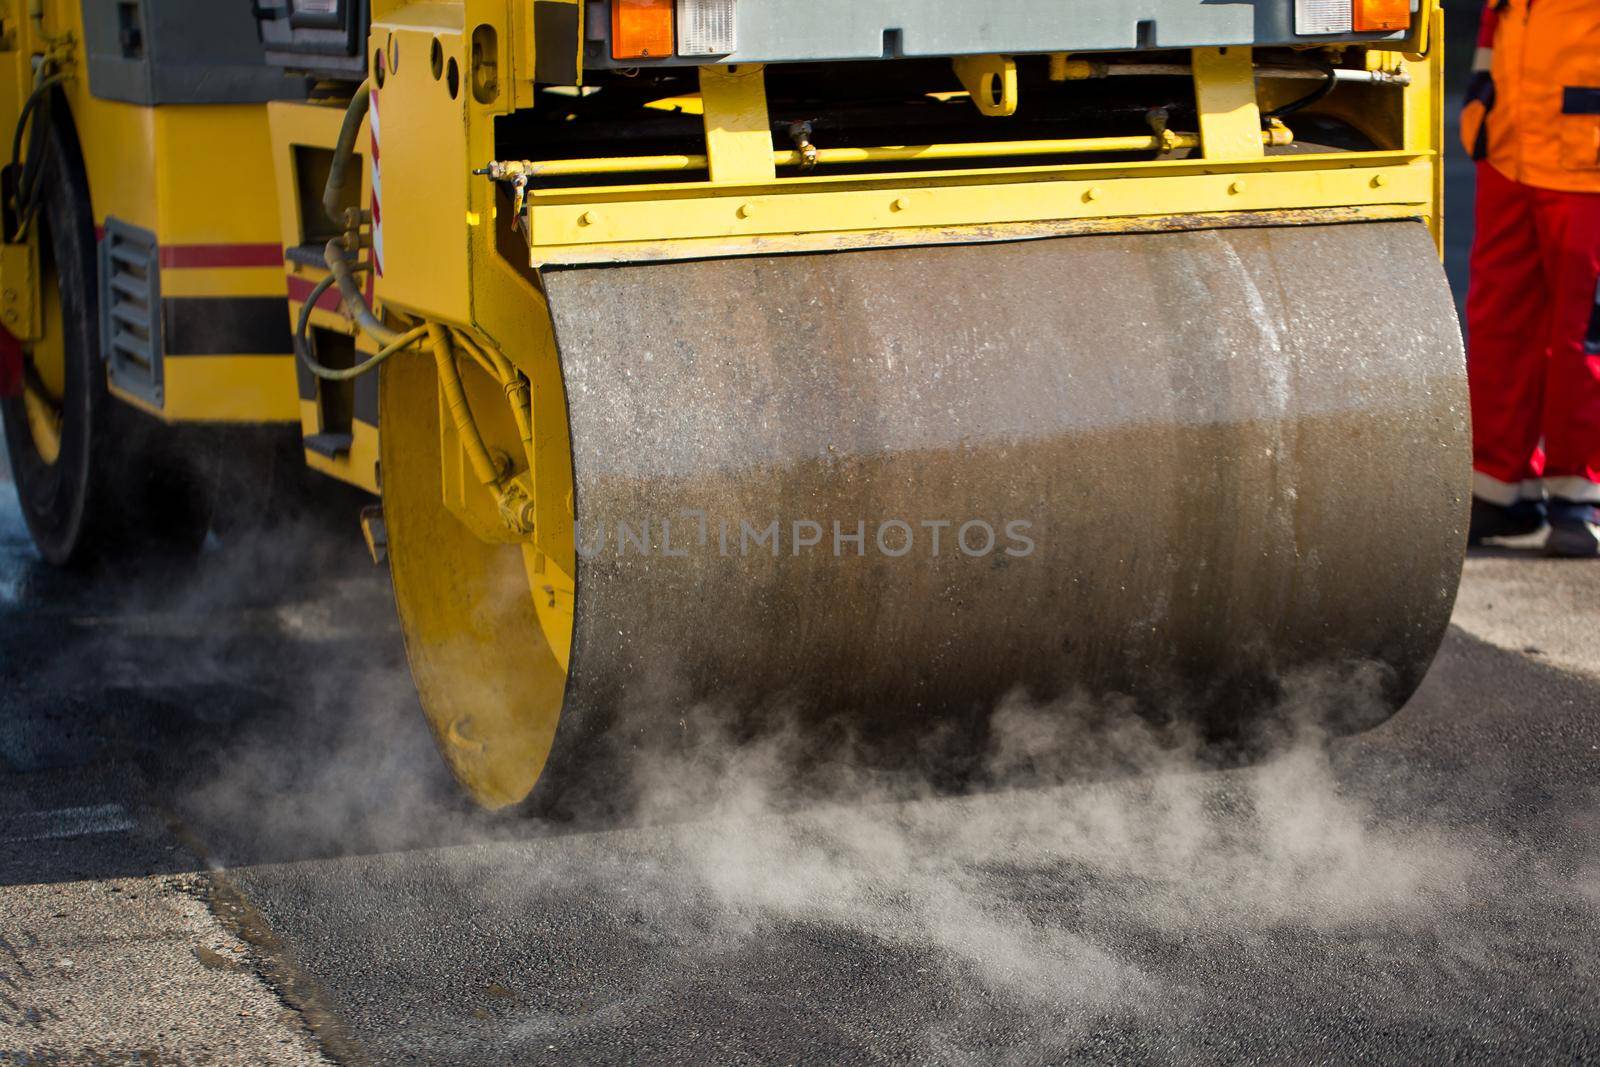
(1535, 392)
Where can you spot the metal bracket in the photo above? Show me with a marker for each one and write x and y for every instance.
(19, 289)
(738, 128)
(375, 532)
(1225, 96)
(991, 81)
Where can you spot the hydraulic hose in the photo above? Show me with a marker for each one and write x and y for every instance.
(334, 194)
(355, 301)
(490, 368)
(36, 14)
(302, 345)
(28, 171)
(514, 507)
(340, 174)
(455, 398)
(514, 384)
(33, 101)
(1330, 81)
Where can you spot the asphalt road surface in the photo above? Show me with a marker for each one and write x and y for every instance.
(225, 838)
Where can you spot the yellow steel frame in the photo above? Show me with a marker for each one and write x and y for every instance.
(195, 176)
(451, 239)
(314, 125)
(745, 212)
(738, 131)
(653, 222)
(192, 168)
(1225, 96)
(20, 289)
(744, 206)
(186, 173)
(461, 252)
(222, 180)
(447, 245)
(991, 82)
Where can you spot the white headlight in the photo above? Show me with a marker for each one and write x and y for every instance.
(707, 28)
(1322, 16)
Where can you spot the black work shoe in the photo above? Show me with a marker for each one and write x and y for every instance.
(1496, 520)
(1574, 529)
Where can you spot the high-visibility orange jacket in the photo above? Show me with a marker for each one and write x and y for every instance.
(1542, 112)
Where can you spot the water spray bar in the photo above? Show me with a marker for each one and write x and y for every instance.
(1164, 141)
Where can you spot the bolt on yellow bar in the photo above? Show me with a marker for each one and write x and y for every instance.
(1166, 141)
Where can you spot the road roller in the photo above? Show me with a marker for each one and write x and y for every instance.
(849, 368)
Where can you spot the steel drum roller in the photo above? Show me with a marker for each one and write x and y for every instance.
(1238, 454)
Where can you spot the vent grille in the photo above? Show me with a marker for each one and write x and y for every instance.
(130, 310)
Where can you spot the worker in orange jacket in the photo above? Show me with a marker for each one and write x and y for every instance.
(1532, 121)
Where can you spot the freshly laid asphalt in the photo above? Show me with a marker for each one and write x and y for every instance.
(225, 838)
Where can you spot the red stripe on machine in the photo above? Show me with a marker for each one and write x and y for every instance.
(190, 257)
(300, 288)
(203, 256)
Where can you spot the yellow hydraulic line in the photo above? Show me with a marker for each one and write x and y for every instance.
(490, 358)
(501, 170)
(522, 411)
(345, 374)
(1063, 68)
(556, 168)
(980, 149)
(494, 368)
(791, 157)
(455, 398)
(514, 384)
(36, 14)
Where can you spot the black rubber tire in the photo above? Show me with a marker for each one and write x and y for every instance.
(59, 499)
(119, 478)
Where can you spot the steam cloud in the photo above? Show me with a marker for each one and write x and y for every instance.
(1092, 823)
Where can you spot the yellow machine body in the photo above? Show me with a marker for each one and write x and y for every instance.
(200, 179)
(465, 246)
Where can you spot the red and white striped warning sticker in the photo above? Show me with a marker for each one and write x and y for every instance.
(377, 187)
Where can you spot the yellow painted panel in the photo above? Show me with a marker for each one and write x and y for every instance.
(224, 389)
(119, 151)
(784, 212)
(214, 181)
(423, 174)
(359, 466)
(230, 281)
(214, 175)
(843, 240)
(230, 389)
(314, 125)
